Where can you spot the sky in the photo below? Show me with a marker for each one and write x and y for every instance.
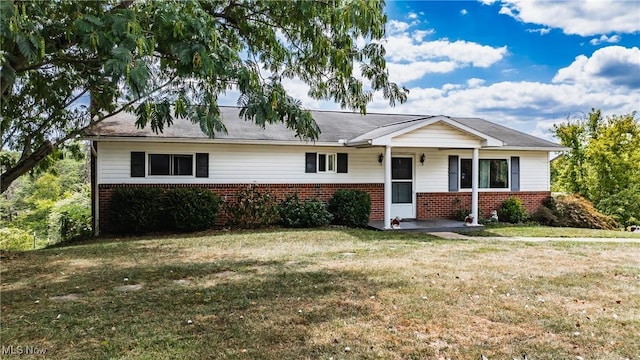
(523, 64)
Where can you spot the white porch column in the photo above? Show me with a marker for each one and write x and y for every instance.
(387, 187)
(475, 170)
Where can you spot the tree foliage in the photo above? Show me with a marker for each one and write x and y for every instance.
(164, 60)
(603, 161)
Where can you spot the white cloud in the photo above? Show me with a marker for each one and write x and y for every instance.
(395, 26)
(584, 18)
(542, 31)
(475, 82)
(403, 48)
(402, 73)
(410, 56)
(463, 12)
(418, 35)
(412, 15)
(605, 38)
(611, 66)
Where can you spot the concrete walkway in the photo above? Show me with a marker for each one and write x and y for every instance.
(456, 236)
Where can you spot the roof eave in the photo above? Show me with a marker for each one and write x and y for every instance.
(209, 141)
(527, 148)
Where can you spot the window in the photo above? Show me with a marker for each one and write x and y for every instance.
(170, 164)
(493, 174)
(326, 163)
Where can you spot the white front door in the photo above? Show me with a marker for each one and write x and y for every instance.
(402, 194)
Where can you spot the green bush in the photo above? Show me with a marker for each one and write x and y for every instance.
(15, 239)
(136, 210)
(350, 207)
(545, 216)
(303, 214)
(511, 210)
(70, 218)
(575, 211)
(191, 209)
(623, 206)
(250, 208)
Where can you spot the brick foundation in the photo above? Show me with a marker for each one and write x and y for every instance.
(442, 205)
(323, 192)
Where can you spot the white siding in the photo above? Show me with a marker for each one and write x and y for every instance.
(438, 135)
(434, 175)
(239, 164)
(271, 164)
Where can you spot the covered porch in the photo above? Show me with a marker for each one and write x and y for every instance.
(408, 143)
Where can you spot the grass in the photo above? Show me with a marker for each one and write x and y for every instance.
(547, 231)
(320, 294)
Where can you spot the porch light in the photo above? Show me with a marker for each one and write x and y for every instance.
(380, 158)
(422, 159)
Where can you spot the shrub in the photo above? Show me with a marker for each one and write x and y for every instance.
(136, 210)
(350, 208)
(70, 218)
(623, 206)
(511, 210)
(545, 216)
(191, 209)
(575, 211)
(15, 239)
(301, 214)
(250, 208)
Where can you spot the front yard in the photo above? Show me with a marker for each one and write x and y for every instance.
(321, 294)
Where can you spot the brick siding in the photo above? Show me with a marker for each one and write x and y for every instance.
(305, 191)
(440, 205)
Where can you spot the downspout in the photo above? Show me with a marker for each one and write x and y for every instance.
(95, 198)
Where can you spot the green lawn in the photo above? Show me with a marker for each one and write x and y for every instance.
(547, 231)
(321, 294)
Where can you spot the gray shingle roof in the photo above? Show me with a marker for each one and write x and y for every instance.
(334, 126)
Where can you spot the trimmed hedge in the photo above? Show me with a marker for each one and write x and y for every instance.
(136, 210)
(192, 209)
(303, 214)
(350, 207)
(144, 210)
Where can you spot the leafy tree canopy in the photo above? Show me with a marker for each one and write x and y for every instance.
(603, 163)
(172, 59)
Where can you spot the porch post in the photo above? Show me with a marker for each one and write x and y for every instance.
(387, 187)
(475, 164)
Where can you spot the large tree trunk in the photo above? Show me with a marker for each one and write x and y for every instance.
(24, 165)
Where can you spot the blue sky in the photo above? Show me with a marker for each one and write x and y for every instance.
(524, 64)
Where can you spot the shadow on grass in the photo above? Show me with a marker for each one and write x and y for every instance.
(237, 309)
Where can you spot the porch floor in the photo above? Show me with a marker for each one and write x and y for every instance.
(433, 225)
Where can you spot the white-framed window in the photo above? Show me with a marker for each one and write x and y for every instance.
(327, 163)
(492, 174)
(170, 164)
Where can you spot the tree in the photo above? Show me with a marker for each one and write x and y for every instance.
(603, 163)
(169, 60)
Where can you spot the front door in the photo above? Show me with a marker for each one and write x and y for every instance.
(402, 194)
